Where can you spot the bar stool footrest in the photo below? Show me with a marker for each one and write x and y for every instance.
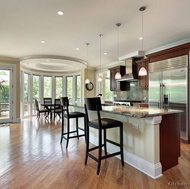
(112, 142)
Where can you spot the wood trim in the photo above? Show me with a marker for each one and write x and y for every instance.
(169, 53)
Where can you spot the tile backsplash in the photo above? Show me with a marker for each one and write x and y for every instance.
(134, 93)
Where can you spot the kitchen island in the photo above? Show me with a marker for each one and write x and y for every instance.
(151, 136)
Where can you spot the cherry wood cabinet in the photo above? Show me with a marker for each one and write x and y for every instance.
(143, 80)
(170, 140)
(117, 85)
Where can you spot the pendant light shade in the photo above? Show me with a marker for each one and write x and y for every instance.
(87, 81)
(118, 75)
(142, 71)
(100, 77)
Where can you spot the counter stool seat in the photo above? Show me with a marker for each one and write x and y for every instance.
(102, 124)
(70, 115)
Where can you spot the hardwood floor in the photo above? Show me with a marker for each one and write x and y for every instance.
(31, 157)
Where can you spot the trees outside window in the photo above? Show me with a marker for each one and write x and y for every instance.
(47, 86)
(78, 91)
(69, 87)
(4, 93)
(103, 87)
(26, 87)
(58, 86)
(36, 86)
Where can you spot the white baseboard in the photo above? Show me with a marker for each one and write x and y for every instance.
(152, 170)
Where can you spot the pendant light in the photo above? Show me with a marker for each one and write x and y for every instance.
(100, 77)
(118, 75)
(142, 71)
(87, 81)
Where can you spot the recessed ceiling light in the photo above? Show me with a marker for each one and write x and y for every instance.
(60, 13)
(105, 53)
(77, 49)
(140, 38)
(43, 42)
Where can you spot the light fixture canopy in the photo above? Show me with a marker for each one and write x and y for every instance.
(100, 77)
(142, 71)
(118, 75)
(87, 81)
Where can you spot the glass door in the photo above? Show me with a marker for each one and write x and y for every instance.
(5, 96)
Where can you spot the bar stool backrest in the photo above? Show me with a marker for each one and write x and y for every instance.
(93, 104)
(65, 104)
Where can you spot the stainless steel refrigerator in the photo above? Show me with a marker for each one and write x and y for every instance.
(168, 87)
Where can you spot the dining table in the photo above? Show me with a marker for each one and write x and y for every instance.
(50, 107)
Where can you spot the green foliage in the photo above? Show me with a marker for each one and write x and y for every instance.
(36, 87)
(5, 94)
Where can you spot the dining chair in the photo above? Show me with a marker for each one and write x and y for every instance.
(102, 125)
(57, 108)
(71, 115)
(39, 111)
(48, 105)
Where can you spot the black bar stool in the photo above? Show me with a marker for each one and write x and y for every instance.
(102, 124)
(69, 115)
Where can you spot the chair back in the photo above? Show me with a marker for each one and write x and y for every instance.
(93, 104)
(64, 101)
(48, 100)
(57, 103)
(36, 104)
(65, 104)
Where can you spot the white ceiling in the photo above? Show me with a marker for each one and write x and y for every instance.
(24, 23)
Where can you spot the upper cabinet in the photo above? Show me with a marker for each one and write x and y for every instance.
(143, 80)
(118, 85)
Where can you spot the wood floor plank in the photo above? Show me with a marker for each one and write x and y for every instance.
(32, 157)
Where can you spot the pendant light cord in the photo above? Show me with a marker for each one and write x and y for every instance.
(142, 9)
(100, 50)
(118, 24)
(142, 30)
(87, 58)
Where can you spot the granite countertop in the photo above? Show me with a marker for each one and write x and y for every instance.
(139, 112)
(133, 111)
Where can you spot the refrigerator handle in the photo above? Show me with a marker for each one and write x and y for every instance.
(163, 86)
(161, 95)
